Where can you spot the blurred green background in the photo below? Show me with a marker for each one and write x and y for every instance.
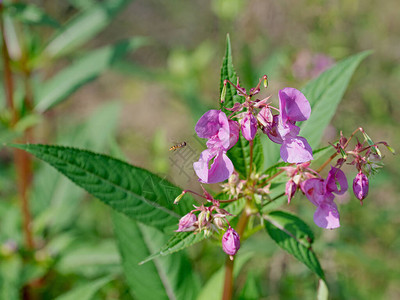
(151, 100)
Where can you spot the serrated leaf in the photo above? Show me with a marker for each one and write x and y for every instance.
(240, 155)
(164, 278)
(294, 236)
(324, 94)
(84, 70)
(133, 191)
(228, 72)
(55, 199)
(86, 291)
(83, 27)
(30, 14)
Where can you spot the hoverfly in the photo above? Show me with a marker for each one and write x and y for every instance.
(177, 146)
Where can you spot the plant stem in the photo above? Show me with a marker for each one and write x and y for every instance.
(251, 158)
(228, 282)
(21, 158)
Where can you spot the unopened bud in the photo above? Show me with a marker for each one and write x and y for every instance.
(230, 242)
(265, 81)
(360, 186)
(290, 189)
(219, 222)
(186, 223)
(223, 93)
(177, 199)
(265, 117)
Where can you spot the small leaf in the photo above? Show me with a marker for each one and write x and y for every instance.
(30, 14)
(133, 191)
(228, 73)
(86, 291)
(294, 236)
(164, 278)
(83, 27)
(84, 70)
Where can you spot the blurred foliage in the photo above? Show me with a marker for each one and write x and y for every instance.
(158, 93)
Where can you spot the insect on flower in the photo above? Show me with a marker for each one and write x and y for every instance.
(177, 146)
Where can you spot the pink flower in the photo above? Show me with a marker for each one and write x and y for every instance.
(231, 241)
(293, 107)
(320, 193)
(187, 223)
(249, 126)
(336, 179)
(222, 134)
(360, 186)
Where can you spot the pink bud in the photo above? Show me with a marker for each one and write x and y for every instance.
(231, 241)
(290, 189)
(265, 117)
(360, 186)
(186, 223)
(249, 126)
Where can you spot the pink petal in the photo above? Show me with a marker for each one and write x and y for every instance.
(210, 123)
(249, 126)
(314, 190)
(335, 177)
(234, 130)
(293, 105)
(327, 215)
(296, 150)
(220, 170)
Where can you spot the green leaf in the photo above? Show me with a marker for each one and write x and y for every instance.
(324, 94)
(30, 14)
(55, 199)
(89, 258)
(240, 155)
(177, 242)
(133, 191)
(10, 272)
(86, 291)
(228, 72)
(164, 278)
(84, 70)
(83, 27)
(294, 236)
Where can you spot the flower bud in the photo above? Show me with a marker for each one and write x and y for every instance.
(290, 189)
(186, 223)
(265, 117)
(360, 186)
(230, 241)
(249, 126)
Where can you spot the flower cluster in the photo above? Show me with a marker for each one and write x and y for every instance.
(246, 118)
(222, 132)
(210, 218)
